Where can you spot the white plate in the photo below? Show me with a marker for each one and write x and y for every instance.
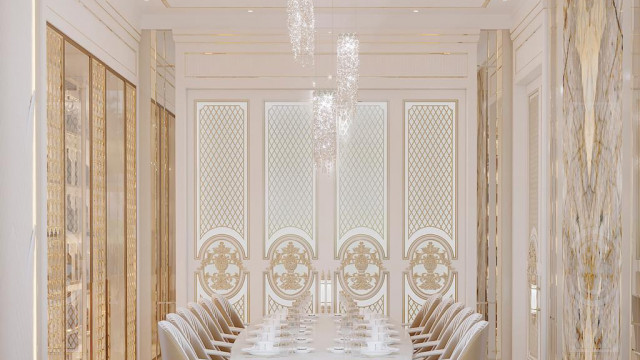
(340, 340)
(382, 352)
(258, 352)
(304, 350)
(336, 349)
(390, 341)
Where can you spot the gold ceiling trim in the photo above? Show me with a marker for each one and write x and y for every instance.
(286, 35)
(321, 77)
(208, 53)
(484, 5)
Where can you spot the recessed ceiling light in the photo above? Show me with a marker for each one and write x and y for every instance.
(250, 10)
(416, 10)
(330, 77)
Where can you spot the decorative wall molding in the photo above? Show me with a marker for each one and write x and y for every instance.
(362, 173)
(290, 183)
(430, 172)
(222, 176)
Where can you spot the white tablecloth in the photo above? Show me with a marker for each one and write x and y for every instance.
(323, 334)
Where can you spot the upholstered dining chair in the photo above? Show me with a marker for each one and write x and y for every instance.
(432, 321)
(205, 335)
(193, 339)
(220, 313)
(427, 310)
(449, 348)
(210, 323)
(173, 344)
(217, 316)
(230, 310)
(449, 334)
(473, 345)
(442, 337)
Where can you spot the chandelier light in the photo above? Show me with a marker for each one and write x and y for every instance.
(348, 68)
(324, 129)
(301, 22)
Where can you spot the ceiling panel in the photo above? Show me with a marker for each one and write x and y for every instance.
(328, 4)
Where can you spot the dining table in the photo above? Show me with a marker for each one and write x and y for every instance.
(324, 334)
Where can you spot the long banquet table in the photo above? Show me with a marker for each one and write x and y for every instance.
(323, 335)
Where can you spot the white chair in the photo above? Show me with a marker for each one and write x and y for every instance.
(222, 315)
(203, 333)
(444, 336)
(216, 315)
(210, 323)
(230, 310)
(173, 345)
(433, 319)
(427, 311)
(455, 339)
(194, 339)
(473, 345)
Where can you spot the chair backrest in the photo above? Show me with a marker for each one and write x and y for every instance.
(189, 334)
(417, 320)
(433, 305)
(453, 325)
(216, 315)
(474, 344)
(207, 320)
(236, 320)
(437, 313)
(200, 329)
(173, 345)
(445, 319)
(460, 332)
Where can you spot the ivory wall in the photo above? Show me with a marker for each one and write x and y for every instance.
(252, 90)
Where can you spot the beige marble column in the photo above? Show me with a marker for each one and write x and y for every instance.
(592, 227)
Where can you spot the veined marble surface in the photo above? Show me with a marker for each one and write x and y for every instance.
(592, 89)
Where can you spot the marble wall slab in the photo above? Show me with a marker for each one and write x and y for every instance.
(591, 232)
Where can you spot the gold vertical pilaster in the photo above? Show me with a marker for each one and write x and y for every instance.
(131, 220)
(98, 213)
(55, 198)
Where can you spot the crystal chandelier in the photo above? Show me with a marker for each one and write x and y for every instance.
(348, 68)
(324, 129)
(301, 22)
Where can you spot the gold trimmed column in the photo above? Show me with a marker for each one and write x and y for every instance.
(56, 343)
(131, 220)
(98, 213)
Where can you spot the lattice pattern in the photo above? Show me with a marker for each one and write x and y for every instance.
(291, 171)
(413, 307)
(222, 166)
(430, 168)
(55, 199)
(273, 306)
(131, 220)
(98, 210)
(377, 307)
(361, 172)
(239, 306)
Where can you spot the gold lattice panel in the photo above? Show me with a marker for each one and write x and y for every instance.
(222, 170)
(413, 307)
(131, 220)
(239, 307)
(55, 199)
(362, 174)
(98, 211)
(290, 180)
(430, 178)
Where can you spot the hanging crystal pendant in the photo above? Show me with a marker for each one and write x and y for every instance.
(324, 130)
(348, 68)
(301, 23)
